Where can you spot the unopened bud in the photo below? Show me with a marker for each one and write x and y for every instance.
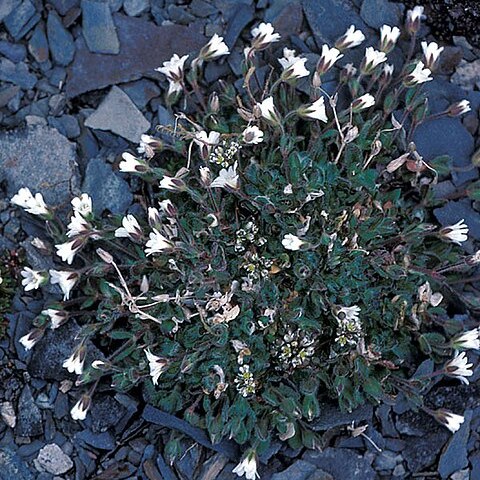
(105, 256)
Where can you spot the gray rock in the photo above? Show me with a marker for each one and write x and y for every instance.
(330, 19)
(341, 463)
(422, 452)
(103, 441)
(63, 6)
(17, 73)
(15, 52)
(447, 136)
(7, 94)
(376, 13)
(300, 470)
(60, 40)
(12, 466)
(51, 351)
(52, 459)
(133, 8)
(467, 74)
(137, 56)
(202, 9)
(108, 190)
(453, 212)
(454, 457)
(118, 114)
(179, 14)
(7, 6)
(21, 19)
(106, 413)
(66, 124)
(141, 91)
(98, 27)
(29, 417)
(331, 416)
(386, 460)
(239, 19)
(475, 461)
(42, 160)
(38, 44)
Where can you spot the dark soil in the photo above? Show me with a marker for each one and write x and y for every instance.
(448, 18)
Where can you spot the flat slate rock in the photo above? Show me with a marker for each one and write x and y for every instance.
(331, 416)
(341, 463)
(17, 73)
(143, 47)
(376, 13)
(98, 28)
(12, 466)
(29, 417)
(21, 19)
(108, 190)
(41, 159)
(301, 470)
(60, 40)
(329, 19)
(118, 114)
(453, 212)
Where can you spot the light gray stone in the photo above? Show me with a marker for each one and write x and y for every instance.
(52, 459)
(118, 114)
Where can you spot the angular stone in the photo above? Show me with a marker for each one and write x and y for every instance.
(7, 6)
(21, 19)
(66, 124)
(422, 452)
(60, 40)
(17, 73)
(134, 8)
(52, 459)
(143, 47)
(454, 457)
(63, 6)
(38, 44)
(453, 212)
(330, 18)
(376, 13)
(7, 93)
(240, 17)
(15, 52)
(103, 441)
(331, 416)
(29, 417)
(300, 470)
(12, 466)
(118, 114)
(98, 27)
(108, 190)
(467, 74)
(42, 160)
(141, 91)
(341, 463)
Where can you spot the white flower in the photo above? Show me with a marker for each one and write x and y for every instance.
(173, 68)
(205, 175)
(132, 164)
(388, 37)
(75, 362)
(82, 205)
(418, 75)
(372, 59)
(174, 87)
(455, 233)
(292, 242)
(459, 108)
(168, 208)
(314, 111)
(414, 18)
(293, 66)
(32, 279)
(459, 368)
(57, 317)
(431, 52)
(157, 365)
(268, 111)
(206, 142)
(348, 314)
(31, 338)
(130, 229)
(68, 250)
(77, 225)
(172, 183)
(148, 145)
(363, 102)
(467, 340)
(387, 72)
(154, 219)
(65, 280)
(427, 296)
(227, 177)
(215, 47)
(34, 205)
(450, 420)
(263, 35)
(288, 59)
(327, 59)
(351, 38)
(252, 135)
(247, 467)
(80, 409)
(158, 243)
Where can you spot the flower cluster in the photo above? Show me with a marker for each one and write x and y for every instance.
(283, 245)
